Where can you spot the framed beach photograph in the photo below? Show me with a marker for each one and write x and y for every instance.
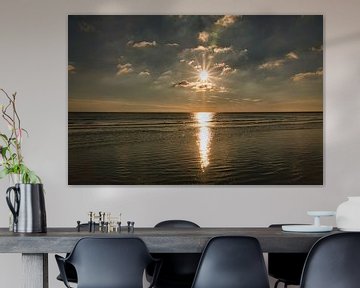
(195, 99)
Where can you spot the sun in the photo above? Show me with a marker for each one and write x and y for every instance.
(204, 75)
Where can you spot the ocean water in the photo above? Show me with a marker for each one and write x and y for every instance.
(195, 148)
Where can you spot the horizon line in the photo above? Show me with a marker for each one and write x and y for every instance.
(318, 111)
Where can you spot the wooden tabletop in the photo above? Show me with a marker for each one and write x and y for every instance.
(158, 240)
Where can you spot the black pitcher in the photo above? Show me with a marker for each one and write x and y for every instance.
(28, 208)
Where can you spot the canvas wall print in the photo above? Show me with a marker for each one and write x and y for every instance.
(195, 99)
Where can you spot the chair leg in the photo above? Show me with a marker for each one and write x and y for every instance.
(278, 282)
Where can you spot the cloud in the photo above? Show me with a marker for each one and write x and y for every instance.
(144, 73)
(142, 44)
(167, 73)
(199, 48)
(226, 21)
(219, 65)
(148, 44)
(123, 69)
(218, 50)
(292, 56)
(251, 100)
(172, 44)
(307, 75)
(213, 58)
(211, 49)
(273, 64)
(225, 69)
(222, 89)
(86, 27)
(228, 54)
(199, 86)
(317, 49)
(71, 69)
(183, 83)
(221, 53)
(194, 64)
(164, 77)
(203, 36)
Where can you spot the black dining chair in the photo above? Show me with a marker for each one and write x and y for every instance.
(286, 267)
(178, 269)
(232, 262)
(70, 271)
(333, 262)
(108, 263)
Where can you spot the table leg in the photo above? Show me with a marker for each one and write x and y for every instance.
(35, 270)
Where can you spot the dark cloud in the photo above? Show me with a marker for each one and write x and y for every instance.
(142, 44)
(86, 27)
(183, 83)
(71, 69)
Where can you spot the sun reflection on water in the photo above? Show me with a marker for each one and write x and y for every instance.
(203, 121)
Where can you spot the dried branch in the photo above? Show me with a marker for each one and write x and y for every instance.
(10, 153)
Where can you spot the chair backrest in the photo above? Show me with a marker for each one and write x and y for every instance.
(286, 266)
(110, 262)
(176, 224)
(232, 262)
(178, 269)
(333, 262)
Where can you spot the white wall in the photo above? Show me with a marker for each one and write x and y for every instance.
(33, 62)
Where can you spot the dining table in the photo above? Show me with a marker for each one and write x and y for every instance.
(35, 247)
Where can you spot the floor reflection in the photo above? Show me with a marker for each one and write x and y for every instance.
(203, 120)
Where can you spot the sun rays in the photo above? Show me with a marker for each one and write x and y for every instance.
(204, 69)
(204, 76)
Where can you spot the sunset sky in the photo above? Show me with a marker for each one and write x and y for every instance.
(195, 63)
